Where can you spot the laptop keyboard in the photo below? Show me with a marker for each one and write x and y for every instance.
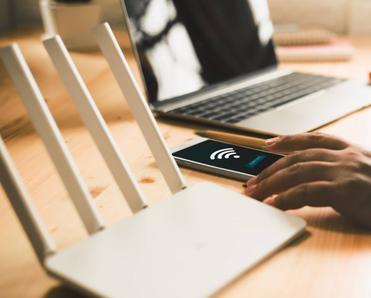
(244, 103)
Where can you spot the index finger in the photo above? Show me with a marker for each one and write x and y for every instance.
(304, 156)
(291, 143)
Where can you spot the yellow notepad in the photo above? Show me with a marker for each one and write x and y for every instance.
(303, 37)
(336, 51)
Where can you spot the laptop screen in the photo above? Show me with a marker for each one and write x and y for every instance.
(184, 46)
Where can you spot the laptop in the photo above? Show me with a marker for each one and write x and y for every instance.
(214, 62)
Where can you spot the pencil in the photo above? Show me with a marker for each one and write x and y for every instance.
(233, 138)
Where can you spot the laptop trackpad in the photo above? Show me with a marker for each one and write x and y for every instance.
(312, 111)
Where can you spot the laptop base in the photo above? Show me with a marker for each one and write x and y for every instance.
(297, 116)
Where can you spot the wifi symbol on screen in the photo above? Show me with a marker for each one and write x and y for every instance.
(224, 154)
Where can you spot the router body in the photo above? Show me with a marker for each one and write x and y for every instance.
(190, 245)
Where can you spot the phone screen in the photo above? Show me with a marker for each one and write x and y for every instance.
(228, 156)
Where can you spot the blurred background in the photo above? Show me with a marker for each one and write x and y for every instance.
(339, 16)
(18, 14)
(306, 31)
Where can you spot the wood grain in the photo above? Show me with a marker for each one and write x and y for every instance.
(333, 260)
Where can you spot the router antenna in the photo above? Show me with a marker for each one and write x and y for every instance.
(47, 128)
(41, 242)
(139, 106)
(94, 121)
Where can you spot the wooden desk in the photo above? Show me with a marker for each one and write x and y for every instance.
(333, 261)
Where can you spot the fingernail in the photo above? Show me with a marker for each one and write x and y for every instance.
(250, 189)
(272, 141)
(269, 201)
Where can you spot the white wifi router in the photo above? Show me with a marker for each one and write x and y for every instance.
(190, 245)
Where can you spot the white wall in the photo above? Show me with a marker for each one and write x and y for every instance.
(341, 16)
(330, 14)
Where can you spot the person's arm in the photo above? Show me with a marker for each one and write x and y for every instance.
(320, 170)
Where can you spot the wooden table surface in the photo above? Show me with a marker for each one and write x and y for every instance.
(333, 260)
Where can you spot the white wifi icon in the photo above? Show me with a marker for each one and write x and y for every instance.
(224, 154)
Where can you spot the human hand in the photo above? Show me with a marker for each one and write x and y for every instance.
(319, 170)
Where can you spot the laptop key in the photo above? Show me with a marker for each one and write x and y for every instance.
(224, 116)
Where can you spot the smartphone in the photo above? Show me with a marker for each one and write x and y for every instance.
(224, 159)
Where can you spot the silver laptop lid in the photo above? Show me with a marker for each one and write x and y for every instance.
(184, 46)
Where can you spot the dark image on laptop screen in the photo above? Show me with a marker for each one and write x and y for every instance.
(186, 45)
